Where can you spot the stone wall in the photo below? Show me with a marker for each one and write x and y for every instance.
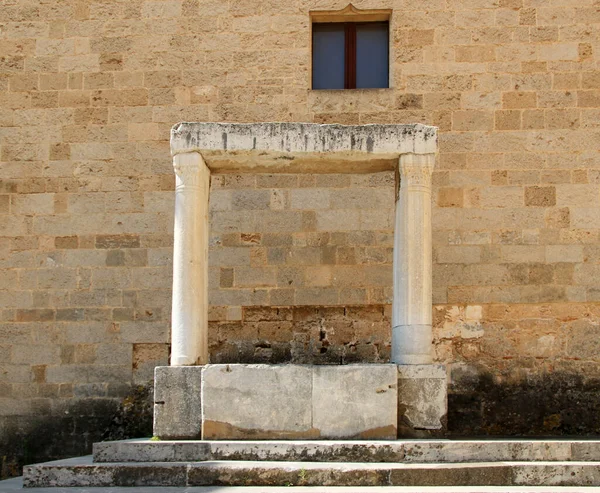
(88, 92)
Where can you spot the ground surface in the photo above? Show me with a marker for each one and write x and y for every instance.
(16, 484)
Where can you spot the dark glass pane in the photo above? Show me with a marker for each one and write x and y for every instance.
(328, 56)
(372, 55)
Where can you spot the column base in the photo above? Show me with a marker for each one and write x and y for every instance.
(411, 344)
(422, 398)
(182, 361)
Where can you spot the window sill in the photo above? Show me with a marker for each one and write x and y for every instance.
(370, 89)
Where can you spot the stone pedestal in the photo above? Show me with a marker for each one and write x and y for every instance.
(244, 402)
(177, 402)
(422, 397)
(276, 402)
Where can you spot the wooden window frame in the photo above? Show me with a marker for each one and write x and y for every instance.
(349, 17)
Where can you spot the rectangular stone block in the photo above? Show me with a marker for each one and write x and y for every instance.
(256, 401)
(177, 402)
(422, 397)
(355, 401)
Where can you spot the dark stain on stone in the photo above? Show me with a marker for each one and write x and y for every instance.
(215, 430)
(299, 340)
(341, 452)
(32, 439)
(380, 433)
(486, 475)
(370, 144)
(545, 405)
(150, 475)
(224, 138)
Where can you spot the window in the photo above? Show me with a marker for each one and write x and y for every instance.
(353, 54)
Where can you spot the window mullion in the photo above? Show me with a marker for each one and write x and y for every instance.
(350, 56)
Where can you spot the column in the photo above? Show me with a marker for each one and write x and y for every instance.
(411, 311)
(189, 318)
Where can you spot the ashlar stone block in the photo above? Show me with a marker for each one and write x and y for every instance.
(177, 402)
(422, 396)
(257, 401)
(355, 401)
(249, 401)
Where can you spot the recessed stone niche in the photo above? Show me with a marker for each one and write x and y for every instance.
(197, 400)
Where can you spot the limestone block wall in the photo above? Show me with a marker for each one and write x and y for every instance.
(318, 246)
(88, 92)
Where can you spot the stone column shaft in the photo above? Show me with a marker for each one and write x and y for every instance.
(189, 319)
(411, 310)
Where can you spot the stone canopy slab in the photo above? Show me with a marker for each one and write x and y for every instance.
(301, 147)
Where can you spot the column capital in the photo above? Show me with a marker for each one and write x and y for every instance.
(416, 169)
(188, 167)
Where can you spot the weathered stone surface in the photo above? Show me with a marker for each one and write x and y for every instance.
(177, 401)
(409, 451)
(301, 147)
(422, 396)
(303, 334)
(449, 475)
(355, 401)
(325, 463)
(309, 451)
(146, 450)
(93, 145)
(481, 404)
(286, 474)
(276, 401)
(357, 474)
(577, 473)
(257, 401)
(588, 450)
(80, 471)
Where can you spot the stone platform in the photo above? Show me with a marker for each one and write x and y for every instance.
(241, 401)
(326, 463)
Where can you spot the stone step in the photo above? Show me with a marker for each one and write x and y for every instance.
(83, 472)
(406, 451)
